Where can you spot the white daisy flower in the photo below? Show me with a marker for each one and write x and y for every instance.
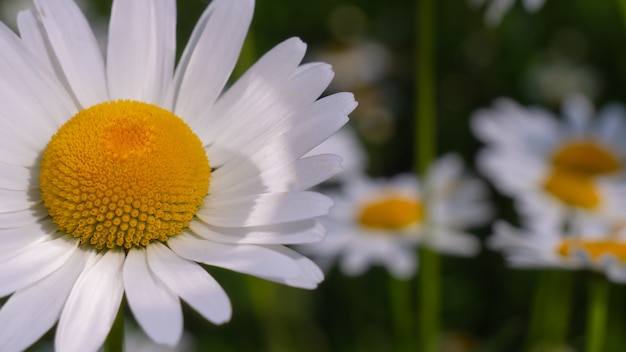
(573, 166)
(496, 9)
(381, 221)
(119, 175)
(588, 244)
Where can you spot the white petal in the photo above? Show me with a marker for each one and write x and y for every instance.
(454, 242)
(210, 57)
(297, 176)
(15, 177)
(192, 283)
(310, 274)
(255, 91)
(141, 49)
(33, 263)
(76, 49)
(155, 307)
(35, 96)
(22, 218)
(92, 305)
(18, 200)
(248, 259)
(287, 125)
(17, 238)
(33, 310)
(263, 209)
(306, 231)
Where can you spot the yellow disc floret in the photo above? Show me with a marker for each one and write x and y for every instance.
(123, 174)
(394, 213)
(574, 169)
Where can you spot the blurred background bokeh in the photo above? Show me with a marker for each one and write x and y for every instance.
(536, 58)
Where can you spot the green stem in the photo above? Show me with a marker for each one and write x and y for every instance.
(597, 313)
(429, 281)
(115, 339)
(267, 311)
(400, 302)
(549, 321)
(429, 300)
(622, 9)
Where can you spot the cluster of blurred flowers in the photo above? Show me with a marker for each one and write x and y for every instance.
(567, 180)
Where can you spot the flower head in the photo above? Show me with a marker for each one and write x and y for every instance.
(548, 166)
(382, 221)
(119, 174)
(589, 244)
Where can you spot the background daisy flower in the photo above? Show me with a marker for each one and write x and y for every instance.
(120, 174)
(380, 222)
(591, 244)
(555, 167)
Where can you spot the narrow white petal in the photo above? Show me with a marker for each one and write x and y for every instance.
(34, 263)
(33, 310)
(306, 231)
(155, 307)
(141, 49)
(18, 200)
(310, 274)
(192, 283)
(248, 259)
(210, 57)
(13, 177)
(263, 209)
(34, 100)
(92, 305)
(22, 217)
(16, 238)
(285, 125)
(254, 91)
(296, 176)
(76, 49)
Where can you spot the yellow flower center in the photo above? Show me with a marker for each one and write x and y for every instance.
(574, 168)
(391, 214)
(595, 249)
(123, 174)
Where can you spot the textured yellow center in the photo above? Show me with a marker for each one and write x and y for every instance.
(574, 168)
(123, 174)
(391, 214)
(595, 249)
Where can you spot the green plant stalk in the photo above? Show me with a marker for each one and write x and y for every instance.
(551, 309)
(622, 10)
(429, 300)
(401, 308)
(429, 286)
(264, 298)
(597, 313)
(115, 340)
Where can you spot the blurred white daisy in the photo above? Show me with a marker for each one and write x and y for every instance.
(380, 222)
(587, 244)
(554, 167)
(118, 174)
(496, 9)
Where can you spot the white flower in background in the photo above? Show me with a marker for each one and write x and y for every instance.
(554, 167)
(380, 222)
(119, 175)
(496, 9)
(591, 244)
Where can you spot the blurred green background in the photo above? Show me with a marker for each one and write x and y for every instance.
(535, 58)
